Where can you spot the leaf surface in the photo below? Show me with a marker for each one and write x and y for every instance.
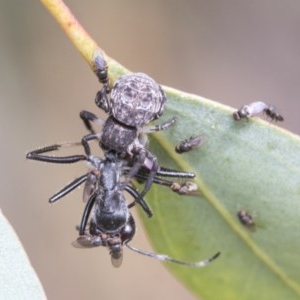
(252, 165)
(17, 277)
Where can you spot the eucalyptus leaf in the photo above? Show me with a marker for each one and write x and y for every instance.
(251, 164)
(17, 277)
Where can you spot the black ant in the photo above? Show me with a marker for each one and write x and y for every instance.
(111, 223)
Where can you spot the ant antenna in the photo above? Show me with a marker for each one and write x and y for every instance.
(166, 258)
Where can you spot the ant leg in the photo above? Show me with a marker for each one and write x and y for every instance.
(86, 139)
(36, 155)
(185, 188)
(166, 258)
(166, 172)
(68, 188)
(88, 117)
(160, 127)
(134, 193)
(86, 214)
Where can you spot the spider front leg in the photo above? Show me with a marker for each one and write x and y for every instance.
(100, 67)
(85, 141)
(38, 154)
(88, 117)
(102, 101)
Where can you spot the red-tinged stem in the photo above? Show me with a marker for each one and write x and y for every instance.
(87, 47)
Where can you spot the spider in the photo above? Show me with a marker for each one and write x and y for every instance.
(135, 100)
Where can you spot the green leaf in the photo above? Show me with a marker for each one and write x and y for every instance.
(17, 277)
(251, 164)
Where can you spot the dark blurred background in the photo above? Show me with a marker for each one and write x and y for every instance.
(234, 52)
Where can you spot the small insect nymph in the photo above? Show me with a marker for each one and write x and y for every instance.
(186, 188)
(254, 108)
(189, 144)
(246, 219)
(271, 113)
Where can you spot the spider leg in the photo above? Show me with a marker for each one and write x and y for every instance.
(37, 154)
(86, 139)
(160, 127)
(166, 172)
(101, 99)
(88, 117)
